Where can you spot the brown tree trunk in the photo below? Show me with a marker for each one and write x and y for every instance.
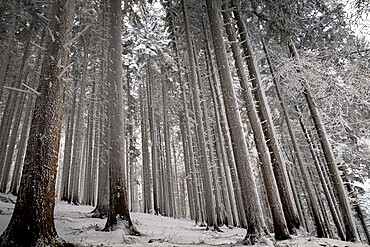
(33, 217)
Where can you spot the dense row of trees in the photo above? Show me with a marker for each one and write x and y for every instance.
(239, 113)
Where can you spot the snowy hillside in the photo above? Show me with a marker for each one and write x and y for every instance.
(75, 225)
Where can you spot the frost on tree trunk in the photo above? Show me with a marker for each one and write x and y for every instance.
(118, 206)
(268, 128)
(101, 209)
(279, 222)
(205, 167)
(253, 211)
(32, 222)
(340, 193)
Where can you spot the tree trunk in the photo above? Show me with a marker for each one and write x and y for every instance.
(32, 220)
(280, 225)
(118, 205)
(169, 175)
(130, 137)
(8, 49)
(30, 101)
(77, 159)
(153, 139)
(66, 181)
(207, 183)
(89, 159)
(216, 186)
(349, 224)
(145, 154)
(187, 168)
(252, 207)
(101, 208)
(331, 204)
(192, 168)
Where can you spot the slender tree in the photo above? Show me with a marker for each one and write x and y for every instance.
(253, 212)
(280, 225)
(118, 204)
(349, 224)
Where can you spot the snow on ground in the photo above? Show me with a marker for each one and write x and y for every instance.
(75, 225)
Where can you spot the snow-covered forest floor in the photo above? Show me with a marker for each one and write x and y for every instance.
(75, 225)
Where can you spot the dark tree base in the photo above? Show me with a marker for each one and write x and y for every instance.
(282, 236)
(130, 229)
(7, 239)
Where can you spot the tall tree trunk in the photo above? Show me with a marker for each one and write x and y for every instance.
(101, 208)
(177, 184)
(96, 149)
(163, 188)
(130, 137)
(192, 168)
(187, 167)
(207, 183)
(32, 220)
(118, 205)
(252, 207)
(77, 159)
(169, 175)
(8, 48)
(280, 225)
(231, 204)
(153, 139)
(145, 153)
(331, 204)
(349, 224)
(216, 186)
(30, 101)
(89, 159)
(66, 181)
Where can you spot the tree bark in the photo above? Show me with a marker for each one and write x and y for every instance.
(192, 169)
(32, 220)
(207, 183)
(331, 204)
(280, 225)
(118, 205)
(169, 175)
(101, 208)
(252, 207)
(349, 224)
